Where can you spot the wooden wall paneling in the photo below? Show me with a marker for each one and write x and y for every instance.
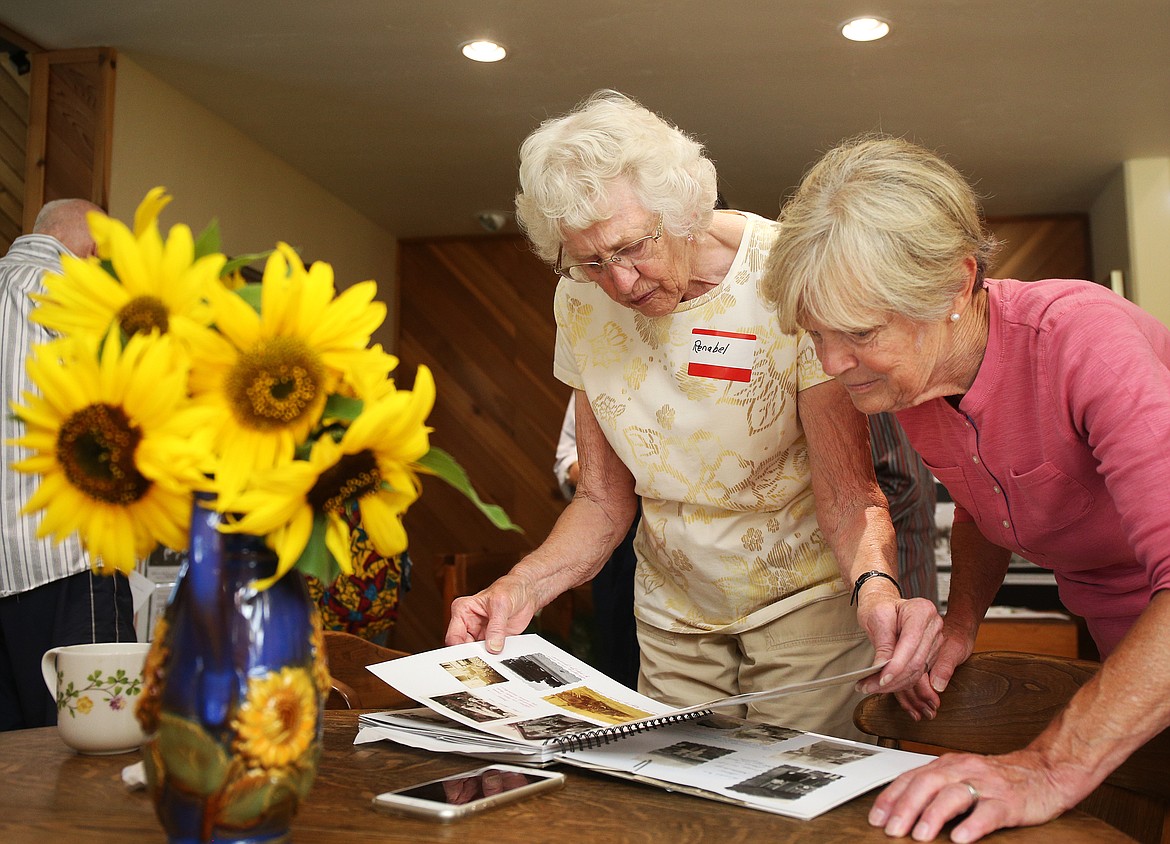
(71, 114)
(13, 143)
(478, 312)
(1056, 246)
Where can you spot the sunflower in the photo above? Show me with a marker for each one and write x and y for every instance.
(154, 286)
(371, 465)
(277, 722)
(368, 373)
(116, 446)
(267, 375)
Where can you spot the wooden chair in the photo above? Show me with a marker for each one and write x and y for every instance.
(998, 701)
(353, 686)
(469, 572)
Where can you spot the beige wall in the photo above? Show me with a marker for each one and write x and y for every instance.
(1110, 231)
(1131, 232)
(213, 171)
(1147, 199)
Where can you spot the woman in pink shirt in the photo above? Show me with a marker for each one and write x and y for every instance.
(1043, 407)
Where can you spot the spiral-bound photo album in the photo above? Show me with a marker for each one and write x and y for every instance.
(536, 704)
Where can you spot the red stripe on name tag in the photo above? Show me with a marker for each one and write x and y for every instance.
(725, 373)
(711, 332)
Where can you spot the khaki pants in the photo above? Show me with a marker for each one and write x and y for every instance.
(817, 640)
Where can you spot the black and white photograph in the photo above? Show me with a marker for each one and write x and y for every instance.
(690, 752)
(828, 754)
(550, 726)
(786, 782)
(470, 706)
(766, 733)
(538, 669)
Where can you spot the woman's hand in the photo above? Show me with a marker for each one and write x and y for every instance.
(503, 609)
(1016, 789)
(1121, 708)
(922, 700)
(904, 631)
(583, 538)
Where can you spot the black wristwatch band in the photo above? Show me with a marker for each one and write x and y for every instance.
(860, 580)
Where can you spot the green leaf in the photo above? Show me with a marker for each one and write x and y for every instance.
(252, 799)
(208, 241)
(193, 758)
(316, 560)
(250, 293)
(244, 801)
(440, 463)
(342, 407)
(240, 261)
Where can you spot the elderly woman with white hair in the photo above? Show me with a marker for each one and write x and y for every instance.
(761, 516)
(1044, 408)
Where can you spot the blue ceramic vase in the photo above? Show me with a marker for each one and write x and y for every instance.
(234, 690)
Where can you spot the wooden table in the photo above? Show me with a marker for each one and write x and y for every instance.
(49, 793)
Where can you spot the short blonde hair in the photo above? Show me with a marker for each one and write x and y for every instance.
(879, 225)
(569, 163)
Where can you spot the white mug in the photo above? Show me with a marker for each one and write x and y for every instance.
(96, 687)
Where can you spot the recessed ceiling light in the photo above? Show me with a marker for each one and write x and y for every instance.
(483, 51)
(865, 29)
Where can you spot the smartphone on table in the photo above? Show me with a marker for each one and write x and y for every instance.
(463, 794)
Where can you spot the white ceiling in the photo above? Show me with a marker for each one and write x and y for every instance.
(1038, 101)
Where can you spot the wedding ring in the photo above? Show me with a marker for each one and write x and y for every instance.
(973, 791)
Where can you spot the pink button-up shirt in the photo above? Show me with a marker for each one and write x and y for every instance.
(1060, 451)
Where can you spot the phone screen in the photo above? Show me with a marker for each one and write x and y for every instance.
(464, 788)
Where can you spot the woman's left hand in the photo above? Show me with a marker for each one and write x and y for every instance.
(1015, 789)
(921, 700)
(904, 631)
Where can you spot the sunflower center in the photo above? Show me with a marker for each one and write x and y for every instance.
(95, 448)
(142, 314)
(353, 476)
(287, 709)
(276, 384)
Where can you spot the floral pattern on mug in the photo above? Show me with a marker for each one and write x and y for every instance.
(111, 689)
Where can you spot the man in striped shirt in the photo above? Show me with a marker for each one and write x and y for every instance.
(909, 487)
(48, 596)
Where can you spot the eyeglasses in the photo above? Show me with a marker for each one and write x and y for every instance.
(629, 255)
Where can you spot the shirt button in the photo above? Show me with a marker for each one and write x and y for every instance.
(975, 458)
(995, 489)
(1005, 523)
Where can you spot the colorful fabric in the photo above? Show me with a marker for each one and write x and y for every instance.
(364, 603)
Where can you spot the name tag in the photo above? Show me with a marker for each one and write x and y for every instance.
(721, 354)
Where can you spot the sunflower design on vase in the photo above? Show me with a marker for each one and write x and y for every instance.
(254, 428)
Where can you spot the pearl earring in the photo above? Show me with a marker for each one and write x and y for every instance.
(954, 317)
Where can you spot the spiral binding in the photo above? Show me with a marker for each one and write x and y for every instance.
(604, 735)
